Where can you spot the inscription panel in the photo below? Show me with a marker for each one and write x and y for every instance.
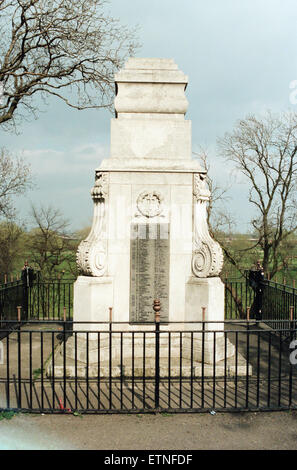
(149, 271)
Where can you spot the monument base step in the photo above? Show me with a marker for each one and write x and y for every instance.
(231, 367)
(92, 351)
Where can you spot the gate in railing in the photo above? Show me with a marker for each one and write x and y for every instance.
(113, 368)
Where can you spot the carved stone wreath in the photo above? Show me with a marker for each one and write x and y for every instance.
(150, 204)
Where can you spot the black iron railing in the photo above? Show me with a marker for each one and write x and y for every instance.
(278, 301)
(239, 296)
(11, 297)
(51, 300)
(114, 367)
(45, 300)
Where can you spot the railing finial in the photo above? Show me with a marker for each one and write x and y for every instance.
(157, 308)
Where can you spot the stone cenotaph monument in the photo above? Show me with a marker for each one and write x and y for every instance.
(150, 239)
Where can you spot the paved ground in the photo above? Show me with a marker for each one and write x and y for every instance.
(232, 431)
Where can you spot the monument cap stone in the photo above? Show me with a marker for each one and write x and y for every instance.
(151, 70)
(150, 130)
(151, 86)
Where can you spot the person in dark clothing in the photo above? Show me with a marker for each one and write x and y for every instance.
(256, 276)
(27, 277)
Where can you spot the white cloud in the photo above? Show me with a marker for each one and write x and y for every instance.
(68, 162)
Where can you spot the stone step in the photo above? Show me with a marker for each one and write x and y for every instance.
(79, 369)
(81, 349)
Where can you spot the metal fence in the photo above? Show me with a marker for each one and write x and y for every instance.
(114, 368)
(45, 300)
(11, 296)
(53, 300)
(239, 296)
(279, 301)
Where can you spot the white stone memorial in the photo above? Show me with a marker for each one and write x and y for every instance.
(150, 239)
(149, 179)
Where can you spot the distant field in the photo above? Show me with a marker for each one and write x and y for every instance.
(238, 243)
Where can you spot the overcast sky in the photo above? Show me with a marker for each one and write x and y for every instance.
(240, 57)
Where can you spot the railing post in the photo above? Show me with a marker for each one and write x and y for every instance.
(203, 313)
(291, 313)
(291, 323)
(59, 296)
(64, 313)
(64, 364)
(202, 356)
(157, 308)
(248, 309)
(19, 313)
(110, 357)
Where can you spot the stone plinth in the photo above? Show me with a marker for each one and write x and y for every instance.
(208, 294)
(83, 360)
(92, 299)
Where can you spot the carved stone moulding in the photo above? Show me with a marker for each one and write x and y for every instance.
(91, 258)
(201, 261)
(207, 261)
(200, 190)
(91, 255)
(101, 186)
(207, 256)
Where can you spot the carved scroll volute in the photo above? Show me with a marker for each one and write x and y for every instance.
(91, 255)
(207, 258)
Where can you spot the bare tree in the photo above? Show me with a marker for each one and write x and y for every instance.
(50, 246)
(11, 248)
(264, 150)
(51, 47)
(15, 179)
